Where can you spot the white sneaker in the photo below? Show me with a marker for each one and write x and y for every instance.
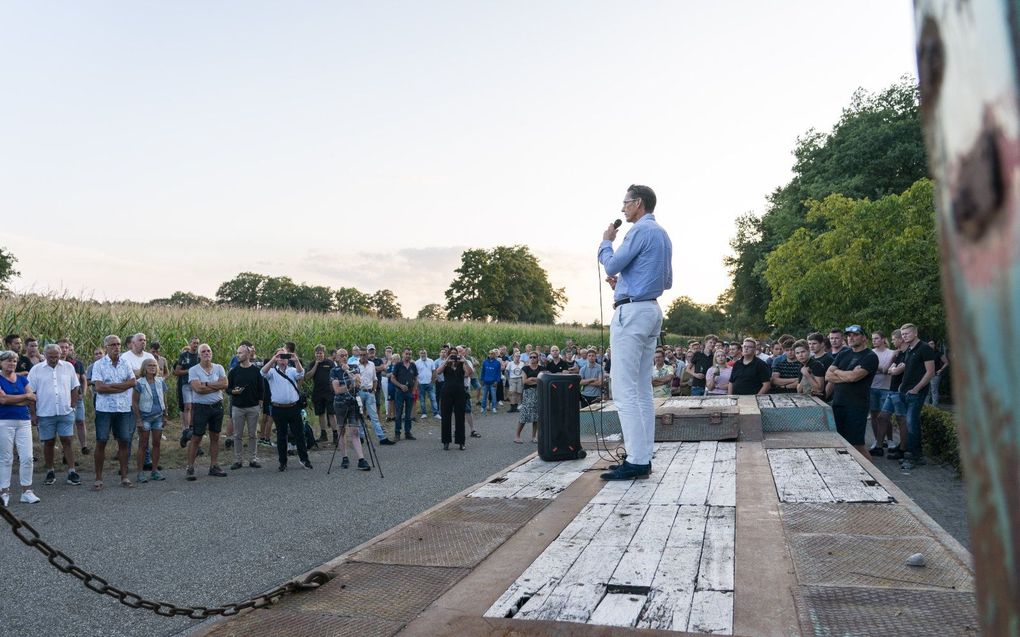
(500, 403)
(438, 417)
(29, 498)
(493, 410)
(5, 497)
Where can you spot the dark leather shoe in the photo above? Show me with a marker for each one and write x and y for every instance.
(386, 441)
(628, 471)
(446, 446)
(408, 436)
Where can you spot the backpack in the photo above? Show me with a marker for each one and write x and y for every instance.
(311, 442)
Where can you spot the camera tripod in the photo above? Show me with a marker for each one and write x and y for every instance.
(358, 420)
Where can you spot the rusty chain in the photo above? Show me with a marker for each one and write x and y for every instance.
(93, 582)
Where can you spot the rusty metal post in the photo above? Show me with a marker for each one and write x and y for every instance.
(968, 58)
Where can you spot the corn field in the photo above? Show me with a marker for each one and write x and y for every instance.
(86, 323)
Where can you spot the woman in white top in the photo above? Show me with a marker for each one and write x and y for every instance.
(514, 374)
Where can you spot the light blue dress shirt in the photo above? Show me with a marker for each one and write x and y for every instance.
(644, 261)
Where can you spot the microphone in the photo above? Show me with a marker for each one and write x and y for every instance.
(617, 224)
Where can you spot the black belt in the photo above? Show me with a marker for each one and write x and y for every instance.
(284, 405)
(627, 300)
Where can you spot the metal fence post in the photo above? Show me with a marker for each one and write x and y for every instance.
(968, 57)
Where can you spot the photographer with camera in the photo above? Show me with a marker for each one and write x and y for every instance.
(283, 388)
(453, 401)
(345, 406)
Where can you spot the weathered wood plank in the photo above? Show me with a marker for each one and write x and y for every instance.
(699, 478)
(845, 477)
(539, 579)
(573, 466)
(715, 572)
(511, 484)
(796, 477)
(640, 561)
(723, 489)
(535, 465)
(587, 523)
(673, 479)
(547, 486)
(667, 609)
(711, 612)
(581, 588)
(620, 526)
(618, 609)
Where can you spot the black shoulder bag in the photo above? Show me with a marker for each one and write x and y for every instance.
(302, 402)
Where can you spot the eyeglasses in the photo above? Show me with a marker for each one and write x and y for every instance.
(627, 201)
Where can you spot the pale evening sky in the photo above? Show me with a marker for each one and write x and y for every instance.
(162, 146)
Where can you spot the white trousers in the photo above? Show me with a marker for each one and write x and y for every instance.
(15, 432)
(632, 337)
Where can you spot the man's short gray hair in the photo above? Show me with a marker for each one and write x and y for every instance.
(106, 341)
(52, 346)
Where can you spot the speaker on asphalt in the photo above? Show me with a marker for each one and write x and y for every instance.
(559, 420)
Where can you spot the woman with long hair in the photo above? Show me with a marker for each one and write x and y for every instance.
(148, 402)
(529, 405)
(717, 378)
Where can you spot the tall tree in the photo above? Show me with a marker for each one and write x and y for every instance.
(873, 263)
(875, 149)
(384, 302)
(7, 271)
(503, 284)
(244, 290)
(183, 299)
(432, 312)
(352, 301)
(688, 318)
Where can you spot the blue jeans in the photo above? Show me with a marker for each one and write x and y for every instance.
(428, 389)
(697, 391)
(404, 402)
(368, 404)
(489, 394)
(914, 404)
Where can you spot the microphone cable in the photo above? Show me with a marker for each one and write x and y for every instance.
(615, 456)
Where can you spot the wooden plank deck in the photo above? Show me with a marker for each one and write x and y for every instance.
(654, 553)
(536, 479)
(822, 475)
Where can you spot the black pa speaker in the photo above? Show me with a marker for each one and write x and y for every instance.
(559, 417)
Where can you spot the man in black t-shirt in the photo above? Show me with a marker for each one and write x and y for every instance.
(700, 362)
(750, 375)
(919, 367)
(851, 374)
(322, 390)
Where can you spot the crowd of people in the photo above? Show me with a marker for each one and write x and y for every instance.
(347, 391)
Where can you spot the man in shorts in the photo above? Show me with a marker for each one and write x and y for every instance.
(322, 391)
(187, 360)
(207, 380)
(851, 374)
(114, 381)
(56, 388)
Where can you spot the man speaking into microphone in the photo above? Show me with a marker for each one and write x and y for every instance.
(639, 272)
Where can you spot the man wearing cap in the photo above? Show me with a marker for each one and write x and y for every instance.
(639, 271)
(851, 374)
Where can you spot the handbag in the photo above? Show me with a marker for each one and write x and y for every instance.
(302, 402)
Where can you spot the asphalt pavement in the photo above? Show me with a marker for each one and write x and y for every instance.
(220, 540)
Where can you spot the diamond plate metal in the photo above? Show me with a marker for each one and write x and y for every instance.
(813, 418)
(383, 591)
(516, 512)
(427, 543)
(856, 560)
(851, 519)
(283, 623)
(825, 611)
